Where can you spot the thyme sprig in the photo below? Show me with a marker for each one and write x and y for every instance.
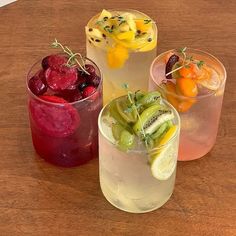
(72, 56)
(186, 61)
(134, 106)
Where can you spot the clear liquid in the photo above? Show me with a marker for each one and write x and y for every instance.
(135, 72)
(126, 179)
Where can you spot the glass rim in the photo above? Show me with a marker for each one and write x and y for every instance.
(176, 114)
(61, 104)
(128, 10)
(182, 96)
(123, 10)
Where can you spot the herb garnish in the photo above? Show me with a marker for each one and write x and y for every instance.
(72, 61)
(186, 61)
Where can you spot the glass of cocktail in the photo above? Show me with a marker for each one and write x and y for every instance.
(123, 44)
(193, 81)
(64, 103)
(138, 149)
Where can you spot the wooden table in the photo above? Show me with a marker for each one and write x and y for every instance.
(37, 198)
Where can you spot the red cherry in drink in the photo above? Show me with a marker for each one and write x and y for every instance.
(37, 86)
(62, 78)
(88, 91)
(94, 80)
(54, 61)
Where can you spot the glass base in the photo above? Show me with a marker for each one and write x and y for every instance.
(132, 208)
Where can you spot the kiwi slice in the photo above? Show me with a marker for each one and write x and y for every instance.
(125, 111)
(150, 99)
(151, 119)
(115, 114)
(160, 131)
(126, 140)
(116, 130)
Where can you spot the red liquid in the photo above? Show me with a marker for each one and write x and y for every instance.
(75, 148)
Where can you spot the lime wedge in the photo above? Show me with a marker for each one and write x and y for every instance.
(163, 163)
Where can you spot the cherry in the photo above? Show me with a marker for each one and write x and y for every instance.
(70, 95)
(37, 86)
(53, 61)
(89, 90)
(62, 78)
(94, 80)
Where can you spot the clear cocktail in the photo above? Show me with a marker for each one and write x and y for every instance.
(138, 148)
(123, 45)
(193, 82)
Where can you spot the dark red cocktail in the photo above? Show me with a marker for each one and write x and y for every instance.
(64, 103)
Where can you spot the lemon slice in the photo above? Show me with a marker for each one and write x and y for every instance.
(212, 81)
(163, 163)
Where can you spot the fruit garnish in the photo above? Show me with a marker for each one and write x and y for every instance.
(63, 78)
(37, 86)
(186, 61)
(88, 91)
(170, 94)
(125, 111)
(187, 87)
(185, 104)
(169, 65)
(116, 130)
(164, 161)
(51, 98)
(55, 120)
(54, 61)
(151, 118)
(143, 25)
(188, 72)
(117, 31)
(70, 95)
(149, 99)
(105, 15)
(126, 140)
(209, 78)
(117, 56)
(73, 57)
(160, 131)
(129, 35)
(153, 127)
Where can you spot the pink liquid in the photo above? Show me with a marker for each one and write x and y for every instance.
(199, 125)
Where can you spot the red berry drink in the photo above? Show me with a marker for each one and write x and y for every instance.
(64, 103)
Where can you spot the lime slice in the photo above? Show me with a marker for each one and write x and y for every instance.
(163, 163)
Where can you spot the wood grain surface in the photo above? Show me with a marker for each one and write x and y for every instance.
(37, 198)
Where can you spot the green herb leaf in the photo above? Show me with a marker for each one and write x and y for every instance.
(200, 64)
(146, 21)
(125, 86)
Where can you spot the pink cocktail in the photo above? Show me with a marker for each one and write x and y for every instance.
(64, 103)
(193, 81)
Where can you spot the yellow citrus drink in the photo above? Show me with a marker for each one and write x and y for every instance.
(123, 45)
(138, 153)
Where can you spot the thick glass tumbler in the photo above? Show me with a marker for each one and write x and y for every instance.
(128, 179)
(123, 44)
(64, 133)
(196, 91)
